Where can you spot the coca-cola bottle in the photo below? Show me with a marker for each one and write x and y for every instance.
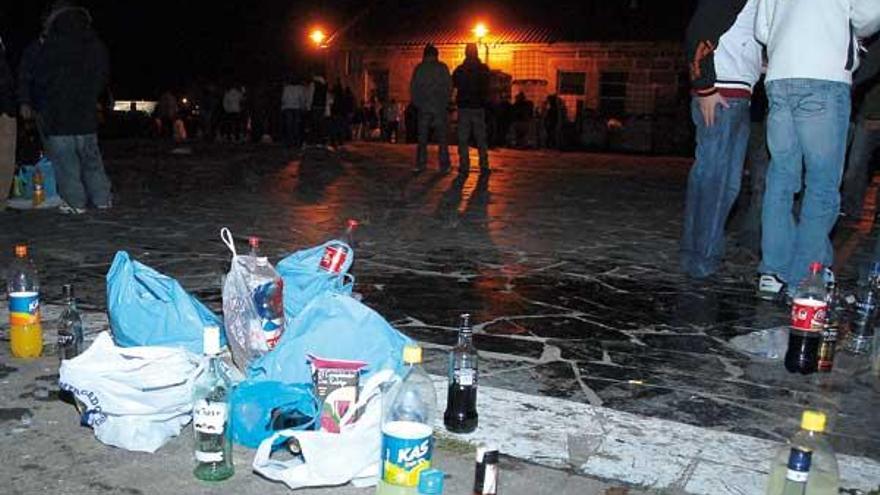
(808, 311)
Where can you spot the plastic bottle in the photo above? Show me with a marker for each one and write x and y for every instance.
(213, 441)
(789, 465)
(808, 312)
(70, 327)
(23, 289)
(39, 195)
(461, 399)
(407, 428)
(267, 295)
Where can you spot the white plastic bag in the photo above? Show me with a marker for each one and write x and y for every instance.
(135, 398)
(331, 459)
(251, 330)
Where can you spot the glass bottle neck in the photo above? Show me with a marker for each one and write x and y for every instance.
(71, 302)
(465, 337)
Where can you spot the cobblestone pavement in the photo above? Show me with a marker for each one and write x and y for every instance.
(567, 262)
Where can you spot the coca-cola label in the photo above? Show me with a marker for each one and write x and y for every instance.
(334, 258)
(808, 315)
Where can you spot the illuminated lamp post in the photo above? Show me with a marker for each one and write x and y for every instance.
(318, 38)
(480, 31)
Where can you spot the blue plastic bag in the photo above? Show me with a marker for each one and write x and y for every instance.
(304, 279)
(148, 308)
(261, 408)
(333, 326)
(25, 179)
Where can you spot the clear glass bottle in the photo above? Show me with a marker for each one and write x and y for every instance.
(461, 399)
(213, 441)
(822, 475)
(70, 327)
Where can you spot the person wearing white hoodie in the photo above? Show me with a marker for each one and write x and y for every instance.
(812, 49)
(725, 63)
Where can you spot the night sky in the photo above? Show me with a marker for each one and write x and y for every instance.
(159, 44)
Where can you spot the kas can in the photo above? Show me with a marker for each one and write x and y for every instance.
(335, 256)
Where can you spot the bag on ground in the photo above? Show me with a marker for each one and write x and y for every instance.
(258, 409)
(330, 459)
(24, 179)
(252, 305)
(334, 326)
(304, 279)
(149, 308)
(134, 398)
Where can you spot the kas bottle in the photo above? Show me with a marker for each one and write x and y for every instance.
(808, 312)
(213, 441)
(23, 289)
(461, 398)
(807, 464)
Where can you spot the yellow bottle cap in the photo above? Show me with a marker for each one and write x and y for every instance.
(21, 250)
(412, 354)
(814, 421)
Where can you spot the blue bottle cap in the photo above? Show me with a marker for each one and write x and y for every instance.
(431, 482)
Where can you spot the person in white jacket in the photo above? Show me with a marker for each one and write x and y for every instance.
(812, 49)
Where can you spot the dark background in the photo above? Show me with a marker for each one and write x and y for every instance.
(157, 45)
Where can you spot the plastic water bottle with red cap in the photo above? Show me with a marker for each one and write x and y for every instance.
(808, 311)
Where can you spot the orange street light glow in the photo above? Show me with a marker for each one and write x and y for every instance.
(480, 30)
(318, 37)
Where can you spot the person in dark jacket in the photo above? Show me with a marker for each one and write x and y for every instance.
(73, 69)
(430, 89)
(7, 128)
(471, 80)
(866, 136)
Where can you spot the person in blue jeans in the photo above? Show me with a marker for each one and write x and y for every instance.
(806, 128)
(725, 63)
(72, 69)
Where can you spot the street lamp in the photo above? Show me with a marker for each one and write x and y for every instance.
(480, 31)
(318, 38)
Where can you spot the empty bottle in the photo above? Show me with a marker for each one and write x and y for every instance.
(461, 398)
(813, 474)
(213, 441)
(70, 327)
(267, 295)
(407, 428)
(808, 313)
(23, 289)
(864, 317)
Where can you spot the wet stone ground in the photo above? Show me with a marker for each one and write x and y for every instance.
(567, 263)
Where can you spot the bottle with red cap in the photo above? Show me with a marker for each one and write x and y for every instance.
(808, 312)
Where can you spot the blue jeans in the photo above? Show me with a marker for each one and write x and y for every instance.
(806, 130)
(79, 170)
(713, 185)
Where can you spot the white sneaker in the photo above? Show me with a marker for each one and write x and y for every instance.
(66, 209)
(770, 287)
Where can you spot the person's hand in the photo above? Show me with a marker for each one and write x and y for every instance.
(26, 112)
(708, 104)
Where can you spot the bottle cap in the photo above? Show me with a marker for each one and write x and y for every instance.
(412, 354)
(352, 224)
(211, 342)
(431, 482)
(21, 251)
(815, 267)
(814, 421)
(254, 241)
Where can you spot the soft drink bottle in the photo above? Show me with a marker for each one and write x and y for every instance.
(407, 428)
(335, 255)
(808, 312)
(39, 196)
(211, 421)
(23, 289)
(267, 295)
(461, 398)
(70, 327)
(806, 465)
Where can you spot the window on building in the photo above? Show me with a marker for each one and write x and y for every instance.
(612, 93)
(572, 83)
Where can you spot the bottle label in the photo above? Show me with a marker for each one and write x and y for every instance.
(797, 476)
(808, 315)
(465, 376)
(406, 452)
(490, 482)
(209, 456)
(334, 258)
(24, 308)
(209, 417)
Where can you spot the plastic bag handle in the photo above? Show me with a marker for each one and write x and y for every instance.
(370, 390)
(226, 237)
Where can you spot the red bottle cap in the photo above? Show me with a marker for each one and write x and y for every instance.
(352, 224)
(815, 267)
(254, 241)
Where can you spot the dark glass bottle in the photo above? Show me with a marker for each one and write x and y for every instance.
(461, 400)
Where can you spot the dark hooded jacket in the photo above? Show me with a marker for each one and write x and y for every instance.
(471, 80)
(7, 85)
(72, 69)
(431, 85)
